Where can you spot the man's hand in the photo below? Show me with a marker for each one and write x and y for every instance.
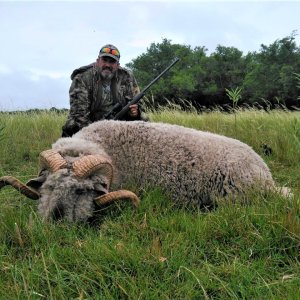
(134, 110)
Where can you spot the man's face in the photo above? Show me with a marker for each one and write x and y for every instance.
(108, 66)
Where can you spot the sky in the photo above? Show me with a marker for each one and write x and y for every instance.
(42, 42)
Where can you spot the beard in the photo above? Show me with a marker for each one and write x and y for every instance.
(107, 75)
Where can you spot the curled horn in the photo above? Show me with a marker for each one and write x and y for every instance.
(52, 160)
(118, 195)
(21, 187)
(90, 164)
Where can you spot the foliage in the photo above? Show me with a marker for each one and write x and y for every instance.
(266, 76)
(181, 80)
(1, 132)
(234, 95)
(297, 76)
(159, 251)
(271, 74)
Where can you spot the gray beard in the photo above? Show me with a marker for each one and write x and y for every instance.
(107, 76)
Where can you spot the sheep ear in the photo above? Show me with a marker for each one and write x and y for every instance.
(36, 183)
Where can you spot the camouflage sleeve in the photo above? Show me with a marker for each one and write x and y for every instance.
(79, 107)
(133, 89)
(128, 85)
(136, 90)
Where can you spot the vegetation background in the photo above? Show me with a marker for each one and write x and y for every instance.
(265, 79)
(158, 251)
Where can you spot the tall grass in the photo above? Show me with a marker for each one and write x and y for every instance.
(157, 251)
(23, 137)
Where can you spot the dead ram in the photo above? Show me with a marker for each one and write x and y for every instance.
(191, 166)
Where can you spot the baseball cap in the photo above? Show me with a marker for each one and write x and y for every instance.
(111, 51)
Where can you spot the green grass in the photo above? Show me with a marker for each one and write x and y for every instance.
(157, 251)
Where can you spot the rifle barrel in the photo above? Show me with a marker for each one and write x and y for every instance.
(176, 59)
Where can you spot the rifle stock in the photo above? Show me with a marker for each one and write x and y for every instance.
(119, 115)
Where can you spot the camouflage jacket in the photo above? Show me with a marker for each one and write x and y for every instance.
(87, 103)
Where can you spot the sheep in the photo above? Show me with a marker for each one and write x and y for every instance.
(190, 166)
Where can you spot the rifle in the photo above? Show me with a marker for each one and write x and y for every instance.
(115, 115)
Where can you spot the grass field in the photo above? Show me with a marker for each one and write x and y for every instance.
(157, 251)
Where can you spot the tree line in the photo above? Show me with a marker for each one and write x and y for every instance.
(267, 78)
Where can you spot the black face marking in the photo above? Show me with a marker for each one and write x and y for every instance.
(79, 191)
(58, 213)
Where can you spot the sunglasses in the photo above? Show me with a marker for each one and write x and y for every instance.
(111, 51)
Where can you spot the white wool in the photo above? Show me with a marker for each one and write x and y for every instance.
(190, 165)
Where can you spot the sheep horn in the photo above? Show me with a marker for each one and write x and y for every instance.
(21, 187)
(51, 159)
(89, 164)
(118, 195)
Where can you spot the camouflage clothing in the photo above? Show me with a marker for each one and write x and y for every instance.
(91, 97)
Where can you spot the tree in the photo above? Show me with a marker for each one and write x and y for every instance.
(180, 81)
(270, 73)
(264, 76)
(224, 68)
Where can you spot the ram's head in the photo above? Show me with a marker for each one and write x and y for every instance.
(70, 188)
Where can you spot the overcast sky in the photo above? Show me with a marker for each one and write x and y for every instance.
(42, 42)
